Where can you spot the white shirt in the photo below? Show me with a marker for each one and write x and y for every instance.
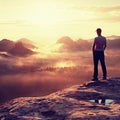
(100, 43)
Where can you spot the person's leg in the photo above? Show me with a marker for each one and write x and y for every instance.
(95, 59)
(102, 61)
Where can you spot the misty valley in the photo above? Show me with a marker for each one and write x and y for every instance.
(24, 72)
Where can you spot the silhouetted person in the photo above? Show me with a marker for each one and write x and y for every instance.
(99, 46)
(102, 101)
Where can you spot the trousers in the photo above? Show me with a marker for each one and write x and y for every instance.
(99, 56)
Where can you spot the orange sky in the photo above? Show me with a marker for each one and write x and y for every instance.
(48, 20)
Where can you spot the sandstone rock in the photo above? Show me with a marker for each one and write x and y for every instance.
(91, 101)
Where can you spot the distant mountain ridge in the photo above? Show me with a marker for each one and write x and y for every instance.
(70, 45)
(27, 43)
(6, 45)
(18, 48)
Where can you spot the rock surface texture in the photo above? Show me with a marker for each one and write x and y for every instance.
(91, 101)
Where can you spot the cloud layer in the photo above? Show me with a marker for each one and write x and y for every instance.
(108, 13)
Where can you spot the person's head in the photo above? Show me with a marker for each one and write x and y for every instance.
(99, 31)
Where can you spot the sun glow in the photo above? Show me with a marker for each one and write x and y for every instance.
(44, 14)
(48, 20)
(65, 64)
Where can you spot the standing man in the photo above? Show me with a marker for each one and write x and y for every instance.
(99, 46)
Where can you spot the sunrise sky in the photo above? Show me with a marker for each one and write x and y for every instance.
(49, 20)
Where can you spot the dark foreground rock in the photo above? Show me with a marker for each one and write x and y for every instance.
(91, 101)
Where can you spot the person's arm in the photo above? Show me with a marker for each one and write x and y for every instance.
(93, 48)
(105, 44)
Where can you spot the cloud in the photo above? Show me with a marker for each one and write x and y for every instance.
(110, 13)
(13, 22)
(18, 65)
(107, 9)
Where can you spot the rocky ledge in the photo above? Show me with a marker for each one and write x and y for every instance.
(91, 101)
